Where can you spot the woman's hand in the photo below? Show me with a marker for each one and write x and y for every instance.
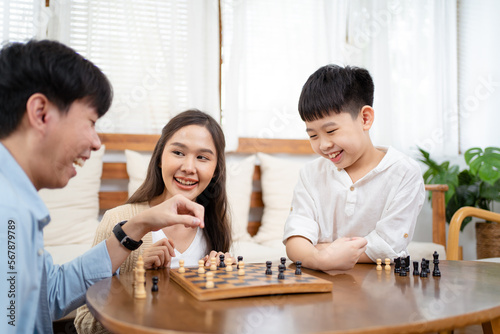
(216, 255)
(159, 255)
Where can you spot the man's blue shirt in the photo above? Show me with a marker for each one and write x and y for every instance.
(33, 290)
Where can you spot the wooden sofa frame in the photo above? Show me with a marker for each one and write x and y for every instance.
(145, 143)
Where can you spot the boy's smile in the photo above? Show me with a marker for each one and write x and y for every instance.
(345, 141)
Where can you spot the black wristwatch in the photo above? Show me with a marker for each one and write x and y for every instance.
(125, 239)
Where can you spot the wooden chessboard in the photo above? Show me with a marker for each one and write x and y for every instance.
(254, 283)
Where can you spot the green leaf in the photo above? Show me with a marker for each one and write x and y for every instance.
(471, 153)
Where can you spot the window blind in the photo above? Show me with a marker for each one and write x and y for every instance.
(155, 53)
(18, 20)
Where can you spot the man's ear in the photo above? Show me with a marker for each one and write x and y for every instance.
(367, 115)
(37, 108)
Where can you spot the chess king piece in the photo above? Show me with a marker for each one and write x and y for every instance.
(436, 272)
(139, 290)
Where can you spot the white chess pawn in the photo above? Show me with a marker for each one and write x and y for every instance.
(210, 280)
(229, 264)
(201, 269)
(387, 264)
(182, 270)
(379, 264)
(241, 271)
(213, 264)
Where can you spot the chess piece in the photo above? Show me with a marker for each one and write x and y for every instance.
(139, 290)
(240, 258)
(210, 280)
(222, 264)
(402, 271)
(298, 270)
(415, 268)
(408, 261)
(436, 271)
(397, 265)
(423, 269)
(213, 264)
(283, 261)
(379, 264)
(229, 264)
(201, 267)
(154, 288)
(387, 264)
(182, 270)
(268, 268)
(427, 266)
(281, 269)
(241, 271)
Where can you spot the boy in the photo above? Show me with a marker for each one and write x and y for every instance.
(358, 202)
(50, 99)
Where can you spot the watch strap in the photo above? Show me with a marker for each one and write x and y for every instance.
(124, 239)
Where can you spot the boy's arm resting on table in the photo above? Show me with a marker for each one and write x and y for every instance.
(342, 254)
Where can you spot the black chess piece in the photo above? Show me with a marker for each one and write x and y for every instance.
(415, 268)
(402, 271)
(268, 268)
(423, 269)
(397, 265)
(436, 271)
(154, 288)
(281, 269)
(222, 264)
(240, 258)
(408, 262)
(298, 269)
(283, 261)
(427, 266)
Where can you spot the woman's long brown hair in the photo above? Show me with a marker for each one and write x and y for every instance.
(214, 198)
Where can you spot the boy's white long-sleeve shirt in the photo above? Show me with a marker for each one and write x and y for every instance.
(382, 206)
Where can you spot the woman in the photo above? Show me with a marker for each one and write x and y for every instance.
(189, 160)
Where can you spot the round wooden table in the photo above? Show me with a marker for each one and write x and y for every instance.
(363, 300)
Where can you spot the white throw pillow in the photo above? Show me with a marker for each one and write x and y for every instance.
(238, 186)
(239, 191)
(137, 168)
(74, 209)
(278, 178)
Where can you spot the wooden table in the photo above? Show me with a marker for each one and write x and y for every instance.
(363, 300)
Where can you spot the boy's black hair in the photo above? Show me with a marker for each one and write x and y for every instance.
(52, 69)
(335, 89)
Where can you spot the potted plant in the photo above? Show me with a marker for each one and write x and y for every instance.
(478, 185)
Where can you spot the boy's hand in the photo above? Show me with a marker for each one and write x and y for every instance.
(159, 255)
(342, 254)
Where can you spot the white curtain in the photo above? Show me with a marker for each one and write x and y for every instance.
(269, 50)
(479, 80)
(409, 47)
(162, 57)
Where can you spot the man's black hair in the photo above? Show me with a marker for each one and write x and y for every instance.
(52, 69)
(335, 89)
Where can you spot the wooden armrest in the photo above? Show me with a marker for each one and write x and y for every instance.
(452, 252)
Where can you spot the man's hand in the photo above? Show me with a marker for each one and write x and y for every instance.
(159, 255)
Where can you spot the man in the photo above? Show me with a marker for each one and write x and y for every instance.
(50, 100)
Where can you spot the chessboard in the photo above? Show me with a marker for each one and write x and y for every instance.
(228, 284)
